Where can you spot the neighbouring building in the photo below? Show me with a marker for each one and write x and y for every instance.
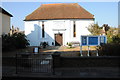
(15, 30)
(5, 21)
(57, 24)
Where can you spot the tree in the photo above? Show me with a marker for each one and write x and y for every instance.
(116, 39)
(94, 29)
(20, 40)
(7, 44)
(111, 33)
(113, 43)
(15, 41)
(106, 28)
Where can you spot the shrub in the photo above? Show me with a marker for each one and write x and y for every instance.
(116, 39)
(7, 43)
(44, 44)
(20, 40)
(112, 48)
(15, 41)
(70, 44)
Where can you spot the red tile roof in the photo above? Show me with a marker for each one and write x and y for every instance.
(59, 11)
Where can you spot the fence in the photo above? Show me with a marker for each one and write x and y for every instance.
(37, 63)
(47, 63)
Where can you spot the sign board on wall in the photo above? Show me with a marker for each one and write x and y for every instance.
(93, 40)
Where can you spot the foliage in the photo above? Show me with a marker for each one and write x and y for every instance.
(94, 29)
(112, 48)
(111, 33)
(20, 40)
(44, 44)
(70, 44)
(106, 28)
(15, 41)
(113, 39)
(116, 39)
(67, 43)
(7, 43)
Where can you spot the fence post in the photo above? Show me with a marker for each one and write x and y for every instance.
(16, 63)
(56, 61)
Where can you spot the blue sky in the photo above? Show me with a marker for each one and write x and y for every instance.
(104, 12)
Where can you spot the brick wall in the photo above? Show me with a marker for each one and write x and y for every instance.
(92, 61)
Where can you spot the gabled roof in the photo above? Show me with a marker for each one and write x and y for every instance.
(5, 12)
(59, 11)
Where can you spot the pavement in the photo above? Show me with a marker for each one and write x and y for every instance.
(83, 72)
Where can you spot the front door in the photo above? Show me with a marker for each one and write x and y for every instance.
(58, 39)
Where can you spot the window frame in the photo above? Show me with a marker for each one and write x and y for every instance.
(43, 30)
(74, 29)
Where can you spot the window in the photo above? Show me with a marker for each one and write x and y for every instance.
(43, 32)
(74, 29)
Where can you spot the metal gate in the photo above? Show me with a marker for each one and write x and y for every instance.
(37, 63)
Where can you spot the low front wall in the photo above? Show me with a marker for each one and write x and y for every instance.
(76, 62)
(89, 61)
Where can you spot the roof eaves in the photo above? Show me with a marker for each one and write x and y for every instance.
(55, 19)
(5, 12)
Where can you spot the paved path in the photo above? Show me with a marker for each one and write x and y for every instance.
(89, 72)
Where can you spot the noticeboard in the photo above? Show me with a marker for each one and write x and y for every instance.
(84, 40)
(36, 50)
(103, 39)
(93, 40)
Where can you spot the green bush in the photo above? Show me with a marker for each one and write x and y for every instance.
(109, 40)
(112, 48)
(44, 44)
(15, 41)
(7, 43)
(70, 44)
(20, 40)
(116, 39)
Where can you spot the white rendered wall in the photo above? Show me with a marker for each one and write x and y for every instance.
(34, 33)
(81, 28)
(5, 24)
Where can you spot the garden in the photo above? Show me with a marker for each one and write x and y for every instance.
(18, 42)
(13, 42)
(113, 39)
